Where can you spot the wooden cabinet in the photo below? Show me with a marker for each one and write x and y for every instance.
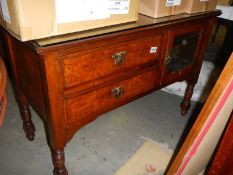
(71, 79)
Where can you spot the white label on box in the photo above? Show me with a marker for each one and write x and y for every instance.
(153, 49)
(204, 0)
(119, 6)
(81, 10)
(173, 2)
(5, 11)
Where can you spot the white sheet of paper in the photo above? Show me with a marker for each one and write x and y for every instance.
(5, 11)
(231, 15)
(81, 10)
(227, 12)
(119, 6)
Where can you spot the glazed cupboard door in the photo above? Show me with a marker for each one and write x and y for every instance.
(182, 52)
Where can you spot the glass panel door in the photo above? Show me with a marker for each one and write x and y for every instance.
(182, 52)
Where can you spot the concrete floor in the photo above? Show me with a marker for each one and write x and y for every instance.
(101, 147)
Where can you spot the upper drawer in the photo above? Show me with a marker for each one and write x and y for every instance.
(93, 64)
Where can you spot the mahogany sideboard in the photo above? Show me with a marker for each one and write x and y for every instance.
(69, 80)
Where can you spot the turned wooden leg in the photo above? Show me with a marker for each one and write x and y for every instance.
(28, 125)
(58, 157)
(185, 105)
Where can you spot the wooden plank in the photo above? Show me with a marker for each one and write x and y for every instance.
(218, 97)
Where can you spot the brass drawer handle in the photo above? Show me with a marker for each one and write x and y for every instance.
(118, 92)
(119, 58)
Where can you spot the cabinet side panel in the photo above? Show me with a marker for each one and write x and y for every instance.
(28, 72)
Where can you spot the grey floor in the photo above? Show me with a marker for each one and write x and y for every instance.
(101, 147)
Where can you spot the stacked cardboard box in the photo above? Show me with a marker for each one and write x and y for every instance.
(195, 6)
(34, 19)
(225, 2)
(160, 8)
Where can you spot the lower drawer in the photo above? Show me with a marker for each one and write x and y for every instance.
(84, 108)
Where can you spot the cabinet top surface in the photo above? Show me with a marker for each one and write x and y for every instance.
(143, 21)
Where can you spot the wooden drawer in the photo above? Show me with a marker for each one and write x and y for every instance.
(86, 107)
(93, 64)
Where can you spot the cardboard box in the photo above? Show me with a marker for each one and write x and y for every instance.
(195, 6)
(161, 8)
(35, 19)
(225, 2)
